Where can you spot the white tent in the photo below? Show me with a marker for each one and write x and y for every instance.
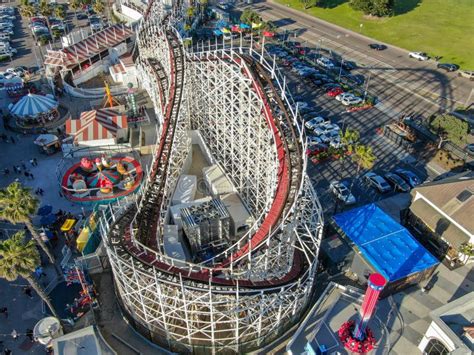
(86, 341)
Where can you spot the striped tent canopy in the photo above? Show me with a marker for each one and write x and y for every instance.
(96, 125)
(33, 105)
(87, 48)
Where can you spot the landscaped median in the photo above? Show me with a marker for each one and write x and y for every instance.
(438, 27)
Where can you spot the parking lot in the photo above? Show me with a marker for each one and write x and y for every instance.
(389, 156)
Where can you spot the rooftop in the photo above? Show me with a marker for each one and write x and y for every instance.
(455, 319)
(387, 245)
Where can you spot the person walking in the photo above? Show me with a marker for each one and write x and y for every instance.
(23, 165)
(32, 162)
(35, 161)
(12, 139)
(4, 310)
(27, 174)
(32, 178)
(7, 351)
(14, 334)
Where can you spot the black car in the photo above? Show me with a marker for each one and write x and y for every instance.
(330, 86)
(397, 182)
(448, 66)
(377, 47)
(354, 79)
(348, 65)
(81, 16)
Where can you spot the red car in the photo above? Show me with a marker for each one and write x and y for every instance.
(334, 92)
(316, 149)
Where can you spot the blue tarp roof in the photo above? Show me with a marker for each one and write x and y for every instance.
(383, 242)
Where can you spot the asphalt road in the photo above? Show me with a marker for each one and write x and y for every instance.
(402, 84)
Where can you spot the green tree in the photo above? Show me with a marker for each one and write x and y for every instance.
(190, 12)
(349, 140)
(378, 8)
(45, 10)
(75, 5)
(27, 10)
(467, 249)
(19, 258)
(310, 3)
(17, 205)
(451, 128)
(98, 7)
(59, 12)
(363, 157)
(249, 16)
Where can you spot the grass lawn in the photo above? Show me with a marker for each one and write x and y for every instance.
(437, 27)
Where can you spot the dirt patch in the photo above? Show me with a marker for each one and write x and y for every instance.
(446, 160)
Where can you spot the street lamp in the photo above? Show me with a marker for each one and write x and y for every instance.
(340, 69)
(367, 86)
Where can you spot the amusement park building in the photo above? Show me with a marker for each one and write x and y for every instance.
(238, 269)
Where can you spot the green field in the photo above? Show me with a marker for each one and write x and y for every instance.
(438, 27)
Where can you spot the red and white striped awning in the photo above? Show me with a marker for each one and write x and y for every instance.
(88, 47)
(97, 124)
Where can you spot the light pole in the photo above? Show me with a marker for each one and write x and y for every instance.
(340, 70)
(367, 86)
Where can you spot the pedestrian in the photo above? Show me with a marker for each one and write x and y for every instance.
(7, 351)
(23, 165)
(27, 174)
(6, 171)
(4, 310)
(27, 290)
(32, 162)
(12, 139)
(29, 334)
(60, 194)
(35, 161)
(14, 334)
(32, 178)
(41, 191)
(39, 272)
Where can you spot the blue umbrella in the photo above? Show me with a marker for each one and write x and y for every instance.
(45, 210)
(33, 105)
(49, 219)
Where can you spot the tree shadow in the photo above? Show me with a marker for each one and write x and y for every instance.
(402, 7)
(330, 4)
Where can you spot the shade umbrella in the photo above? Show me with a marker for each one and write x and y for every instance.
(45, 210)
(33, 105)
(47, 220)
(94, 179)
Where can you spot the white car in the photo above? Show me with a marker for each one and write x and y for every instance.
(344, 95)
(326, 128)
(325, 62)
(314, 122)
(418, 55)
(312, 140)
(351, 101)
(341, 191)
(376, 181)
(302, 105)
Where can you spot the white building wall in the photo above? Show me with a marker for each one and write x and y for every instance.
(434, 331)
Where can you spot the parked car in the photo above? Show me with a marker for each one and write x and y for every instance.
(377, 182)
(410, 177)
(334, 92)
(377, 46)
(347, 101)
(81, 16)
(315, 122)
(95, 23)
(344, 95)
(397, 182)
(341, 191)
(316, 149)
(325, 128)
(418, 55)
(348, 65)
(325, 62)
(466, 74)
(313, 141)
(330, 86)
(6, 31)
(448, 66)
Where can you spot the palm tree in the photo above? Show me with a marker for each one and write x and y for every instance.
(19, 258)
(45, 10)
(364, 158)
(27, 10)
(75, 4)
(349, 140)
(98, 7)
(16, 206)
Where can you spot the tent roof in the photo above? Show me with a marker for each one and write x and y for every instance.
(387, 245)
(87, 48)
(32, 105)
(96, 124)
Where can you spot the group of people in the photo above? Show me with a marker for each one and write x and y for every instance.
(22, 168)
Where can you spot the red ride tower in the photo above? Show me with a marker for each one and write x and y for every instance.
(356, 336)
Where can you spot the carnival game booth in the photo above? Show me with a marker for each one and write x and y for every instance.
(381, 245)
(103, 178)
(107, 126)
(33, 110)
